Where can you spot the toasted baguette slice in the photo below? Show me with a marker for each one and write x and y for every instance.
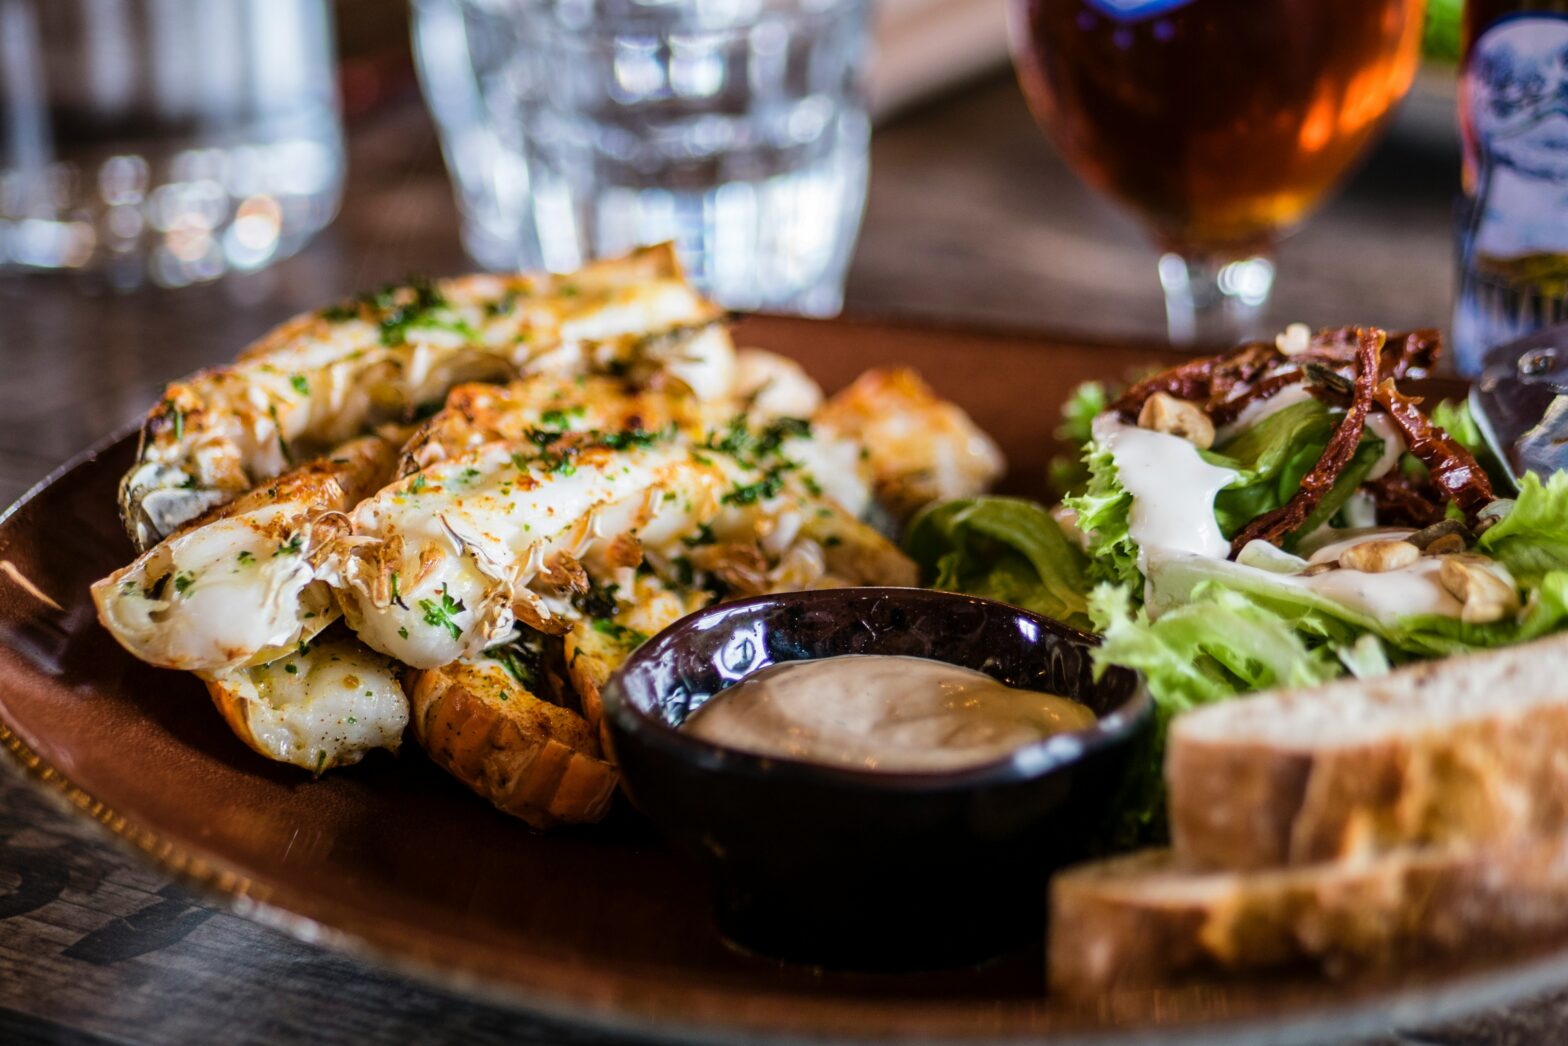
(1467, 749)
(1141, 920)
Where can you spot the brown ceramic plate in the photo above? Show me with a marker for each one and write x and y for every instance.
(395, 861)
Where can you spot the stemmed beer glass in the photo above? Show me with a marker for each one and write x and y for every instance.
(1220, 123)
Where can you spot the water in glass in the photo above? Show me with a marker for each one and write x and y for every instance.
(170, 140)
(581, 128)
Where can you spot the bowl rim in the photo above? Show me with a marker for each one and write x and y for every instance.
(1030, 762)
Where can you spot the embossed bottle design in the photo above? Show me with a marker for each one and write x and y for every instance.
(1513, 218)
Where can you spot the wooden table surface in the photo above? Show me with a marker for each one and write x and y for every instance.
(971, 219)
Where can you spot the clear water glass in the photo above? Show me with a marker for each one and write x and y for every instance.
(168, 141)
(576, 129)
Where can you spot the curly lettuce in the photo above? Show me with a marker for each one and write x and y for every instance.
(1102, 512)
(1216, 647)
(1086, 402)
(1532, 538)
(1212, 629)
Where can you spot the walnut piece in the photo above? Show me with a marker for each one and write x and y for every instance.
(1163, 412)
(1487, 596)
(1376, 557)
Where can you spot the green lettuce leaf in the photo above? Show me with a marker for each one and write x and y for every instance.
(1454, 417)
(1274, 455)
(1532, 539)
(1068, 473)
(1103, 515)
(1002, 548)
(1217, 647)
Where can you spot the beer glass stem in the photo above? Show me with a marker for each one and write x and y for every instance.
(1213, 301)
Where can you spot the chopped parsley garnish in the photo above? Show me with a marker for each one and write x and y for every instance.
(183, 582)
(781, 429)
(704, 536)
(351, 719)
(283, 444)
(179, 420)
(598, 602)
(321, 760)
(439, 614)
(555, 419)
(397, 599)
(428, 310)
(417, 484)
(750, 493)
(403, 632)
(636, 437)
(628, 637)
(684, 572)
(522, 662)
(292, 547)
(751, 448)
(502, 306)
(468, 475)
(347, 310)
(543, 437)
(291, 668)
(301, 386)
(246, 557)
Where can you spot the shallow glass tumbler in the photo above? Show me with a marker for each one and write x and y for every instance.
(576, 129)
(165, 140)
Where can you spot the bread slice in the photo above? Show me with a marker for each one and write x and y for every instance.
(1467, 749)
(1142, 921)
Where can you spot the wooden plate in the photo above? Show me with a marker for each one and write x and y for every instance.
(395, 861)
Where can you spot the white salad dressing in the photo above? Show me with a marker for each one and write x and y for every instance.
(1411, 590)
(1172, 488)
(1257, 410)
(1383, 428)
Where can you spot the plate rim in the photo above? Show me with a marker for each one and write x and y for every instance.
(1447, 997)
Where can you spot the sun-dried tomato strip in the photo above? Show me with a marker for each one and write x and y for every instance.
(1224, 384)
(1411, 354)
(1404, 503)
(1273, 526)
(1455, 472)
(1263, 389)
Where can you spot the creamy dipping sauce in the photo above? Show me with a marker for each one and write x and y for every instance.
(882, 712)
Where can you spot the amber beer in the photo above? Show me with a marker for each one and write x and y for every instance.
(1220, 122)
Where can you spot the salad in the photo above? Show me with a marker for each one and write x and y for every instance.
(1279, 515)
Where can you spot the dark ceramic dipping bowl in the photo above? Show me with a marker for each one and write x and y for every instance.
(860, 868)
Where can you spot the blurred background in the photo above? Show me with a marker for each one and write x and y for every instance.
(183, 162)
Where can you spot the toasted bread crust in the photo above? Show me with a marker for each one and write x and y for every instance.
(1139, 921)
(1493, 772)
(532, 759)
